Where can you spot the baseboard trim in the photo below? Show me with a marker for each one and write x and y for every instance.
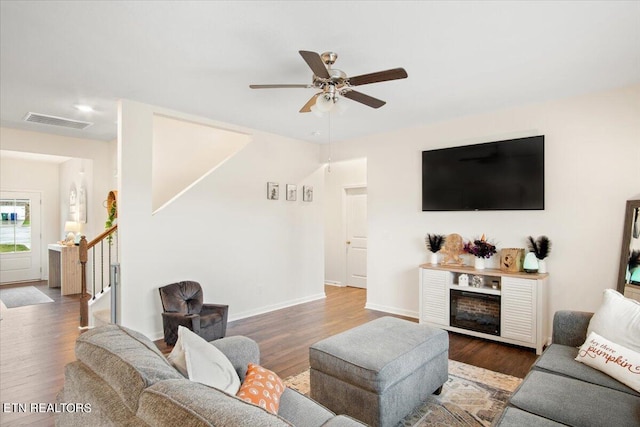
(392, 310)
(334, 283)
(277, 306)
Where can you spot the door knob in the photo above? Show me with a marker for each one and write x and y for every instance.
(348, 242)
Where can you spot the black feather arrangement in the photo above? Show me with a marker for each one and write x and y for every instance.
(434, 242)
(634, 260)
(540, 246)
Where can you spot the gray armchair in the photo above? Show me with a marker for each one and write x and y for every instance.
(182, 305)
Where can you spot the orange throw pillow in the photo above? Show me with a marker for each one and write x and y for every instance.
(262, 387)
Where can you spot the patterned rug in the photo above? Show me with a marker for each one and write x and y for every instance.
(471, 397)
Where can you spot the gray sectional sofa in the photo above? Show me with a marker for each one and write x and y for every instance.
(121, 378)
(561, 391)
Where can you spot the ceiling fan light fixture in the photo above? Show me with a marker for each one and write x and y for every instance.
(339, 105)
(324, 103)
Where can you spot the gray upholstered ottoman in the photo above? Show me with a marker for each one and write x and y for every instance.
(380, 371)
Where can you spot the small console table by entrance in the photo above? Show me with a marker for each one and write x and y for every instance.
(65, 271)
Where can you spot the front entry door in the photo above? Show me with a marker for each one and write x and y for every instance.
(20, 239)
(356, 220)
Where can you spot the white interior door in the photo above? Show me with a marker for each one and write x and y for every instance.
(356, 221)
(20, 239)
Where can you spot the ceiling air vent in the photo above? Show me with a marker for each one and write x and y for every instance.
(56, 121)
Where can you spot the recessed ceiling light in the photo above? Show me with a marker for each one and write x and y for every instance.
(84, 108)
(315, 133)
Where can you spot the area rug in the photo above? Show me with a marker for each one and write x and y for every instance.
(21, 296)
(471, 396)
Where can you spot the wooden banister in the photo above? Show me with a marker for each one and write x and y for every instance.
(102, 236)
(84, 257)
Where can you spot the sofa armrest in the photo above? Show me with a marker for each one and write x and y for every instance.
(240, 351)
(222, 310)
(570, 327)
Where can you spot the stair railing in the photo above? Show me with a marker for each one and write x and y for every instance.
(108, 237)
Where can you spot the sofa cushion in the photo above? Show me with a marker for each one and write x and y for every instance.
(185, 403)
(618, 320)
(81, 384)
(613, 359)
(560, 359)
(126, 360)
(514, 417)
(575, 403)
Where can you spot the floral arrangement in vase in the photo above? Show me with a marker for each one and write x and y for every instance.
(481, 249)
(540, 247)
(434, 243)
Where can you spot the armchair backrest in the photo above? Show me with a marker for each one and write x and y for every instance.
(182, 297)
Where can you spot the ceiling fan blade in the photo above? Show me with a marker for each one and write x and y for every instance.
(279, 86)
(316, 64)
(380, 76)
(310, 103)
(364, 99)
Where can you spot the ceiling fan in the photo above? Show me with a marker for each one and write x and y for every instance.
(334, 83)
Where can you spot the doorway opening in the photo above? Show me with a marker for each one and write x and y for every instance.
(346, 224)
(20, 237)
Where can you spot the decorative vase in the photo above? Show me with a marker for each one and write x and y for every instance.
(530, 263)
(479, 263)
(542, 266)
(434, 258)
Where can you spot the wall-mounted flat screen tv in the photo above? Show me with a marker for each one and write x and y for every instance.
(501, 175)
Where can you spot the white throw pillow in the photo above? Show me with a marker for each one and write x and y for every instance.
(613, 359)
(177, 356)
(202, 362)
(618, 320)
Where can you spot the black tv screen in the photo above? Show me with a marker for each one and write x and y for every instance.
(501, 175)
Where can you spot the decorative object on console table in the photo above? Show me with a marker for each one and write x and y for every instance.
(541, 248)
(452, 249)
(463, 280)
(511, 259)
(481, 249)
(530, 263)
(434, 243)
(477, 281)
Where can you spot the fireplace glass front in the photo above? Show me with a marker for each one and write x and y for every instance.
(475, 311)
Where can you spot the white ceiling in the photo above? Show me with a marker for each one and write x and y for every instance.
(199, 57)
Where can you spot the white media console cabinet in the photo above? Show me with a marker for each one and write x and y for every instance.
(497, 305)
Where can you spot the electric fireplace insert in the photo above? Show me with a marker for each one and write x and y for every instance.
(475, 311)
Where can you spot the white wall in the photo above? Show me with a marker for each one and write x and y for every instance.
(41, 177)
(340, 175)
(246, 251)
(592, 154)
(98, 160)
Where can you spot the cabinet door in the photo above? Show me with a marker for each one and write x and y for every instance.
(518, 309)
(434, 297)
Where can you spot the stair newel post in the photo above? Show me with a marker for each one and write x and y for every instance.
(84, 295)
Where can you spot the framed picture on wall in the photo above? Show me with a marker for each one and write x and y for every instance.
(292, 192)
(307, 193)
(273, 191)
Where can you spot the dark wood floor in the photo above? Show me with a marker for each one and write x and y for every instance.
(285, 335)
(37, 341)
